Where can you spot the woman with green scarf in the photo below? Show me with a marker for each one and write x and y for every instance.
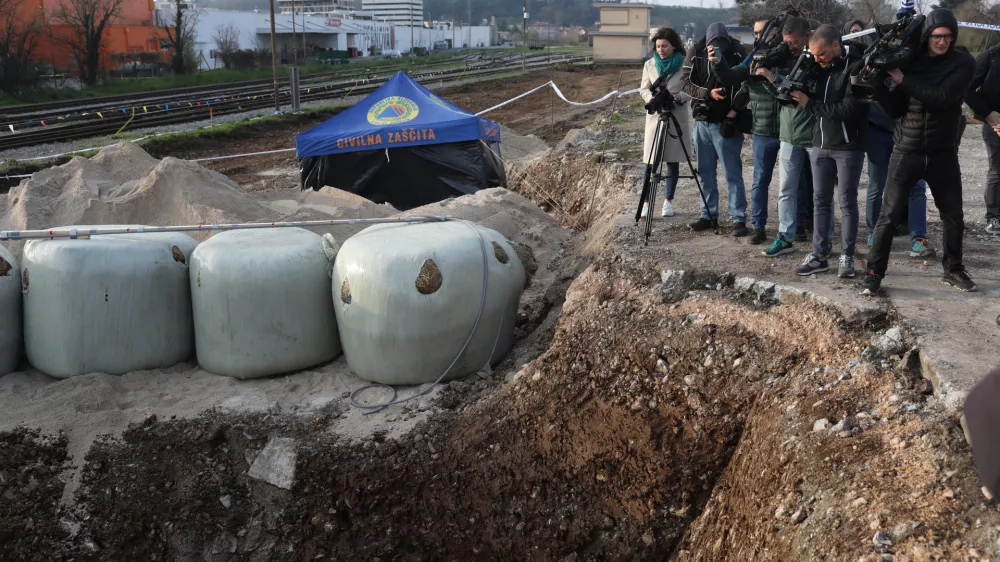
(668, 60)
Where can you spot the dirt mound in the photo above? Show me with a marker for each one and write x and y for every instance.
(516, 148)
(30, 488)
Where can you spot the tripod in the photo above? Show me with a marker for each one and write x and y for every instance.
(655, 165)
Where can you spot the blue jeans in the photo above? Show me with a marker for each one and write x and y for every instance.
(765, 155)
(711, 147)
(879, 149)
(792, 161)
(673, 173)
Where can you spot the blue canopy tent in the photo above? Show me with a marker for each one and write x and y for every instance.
(404, 146)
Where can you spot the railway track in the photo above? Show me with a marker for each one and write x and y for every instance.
(250, 100)
(18, 114)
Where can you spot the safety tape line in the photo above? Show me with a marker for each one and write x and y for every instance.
(559, 93)
(985, 26)
(211, 158)
(75, 233)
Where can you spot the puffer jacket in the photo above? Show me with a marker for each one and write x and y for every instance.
(762, 104)
(795, 122)
(841, 119)
(928, 101)
(984, 93)
(699, 80)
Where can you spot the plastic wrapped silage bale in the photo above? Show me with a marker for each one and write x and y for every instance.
(110, 303)
(262, 303)
(10, 312)
(407, 297)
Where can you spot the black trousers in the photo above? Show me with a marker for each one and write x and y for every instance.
(944, 177)
(992, 195)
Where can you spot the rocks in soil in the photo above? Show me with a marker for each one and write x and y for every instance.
(905, 530)
(276, 463)
(821, 424)
(889, 342)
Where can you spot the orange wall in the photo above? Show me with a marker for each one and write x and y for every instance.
(131, 31)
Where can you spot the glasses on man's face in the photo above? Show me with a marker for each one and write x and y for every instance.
(942, 38)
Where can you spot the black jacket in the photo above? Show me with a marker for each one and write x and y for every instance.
(928, 102)
(699, 80)
(984, 93)
(841, 119)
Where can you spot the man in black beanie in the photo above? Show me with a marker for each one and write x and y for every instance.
(927, 100)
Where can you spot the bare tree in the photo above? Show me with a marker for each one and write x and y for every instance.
(816, 11)
(227, 42)
(178, 31)
(86, 21)
(18, 39)
(873, 11)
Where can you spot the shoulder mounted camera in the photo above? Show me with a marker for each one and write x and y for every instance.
(895, 46)
(801, 78)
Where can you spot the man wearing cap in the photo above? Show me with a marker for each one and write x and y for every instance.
(984, 99)
(718, 112)
(927, 99)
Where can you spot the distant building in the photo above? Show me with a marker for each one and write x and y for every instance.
(321, 7)
(399, 12)
(741, 33)
(623, 33)
(545, 31)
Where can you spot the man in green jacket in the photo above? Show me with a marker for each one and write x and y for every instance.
(796, 135)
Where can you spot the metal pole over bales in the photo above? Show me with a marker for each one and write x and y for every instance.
(274, 58)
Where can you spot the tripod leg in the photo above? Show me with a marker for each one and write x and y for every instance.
(649, 183)
(694, 171)
(656, 176)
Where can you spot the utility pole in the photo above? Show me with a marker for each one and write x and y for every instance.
(295, 45)
(411, 27)
(524, 24)
(274, 58)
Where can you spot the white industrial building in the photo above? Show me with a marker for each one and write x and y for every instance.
(398, 12)
(322, 7)
(340, 32)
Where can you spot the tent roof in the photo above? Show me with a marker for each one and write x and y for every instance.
(400, 113)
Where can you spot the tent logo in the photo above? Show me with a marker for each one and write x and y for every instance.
(393, 110)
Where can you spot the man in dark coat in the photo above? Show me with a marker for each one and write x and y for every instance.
(927, 100)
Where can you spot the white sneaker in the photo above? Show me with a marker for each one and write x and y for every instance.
(645, 210)
(668, 209)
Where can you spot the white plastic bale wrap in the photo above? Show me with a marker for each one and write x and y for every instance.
(112, 303)
(262, 303)
(407, 297)
(10, 312)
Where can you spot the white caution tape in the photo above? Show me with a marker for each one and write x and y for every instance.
(986, 26)
(210, 158)
(606, 97)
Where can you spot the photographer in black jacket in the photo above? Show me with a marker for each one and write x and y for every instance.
(927, 99)
(718, 109)
(984, 99)
(840, 133)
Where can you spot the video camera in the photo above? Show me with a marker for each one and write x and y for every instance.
(802, 78)
(895, 47)
(662, 100)
(769, 50)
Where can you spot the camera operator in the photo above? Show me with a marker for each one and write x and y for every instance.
(839, 137)
(984, 99)
(796, 135)
(717, 110)
(927, 100)
(765, 109)
(667, 62)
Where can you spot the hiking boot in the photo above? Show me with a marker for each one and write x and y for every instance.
(702, 224)
(921, 249)
(846, 268)
(667, 210)
(645, 211)
(778, 247)
(801, 234)
(758, 237)
(871, 285)
(740, 229)
(960, 280)
(814, 263)
(993, 226)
